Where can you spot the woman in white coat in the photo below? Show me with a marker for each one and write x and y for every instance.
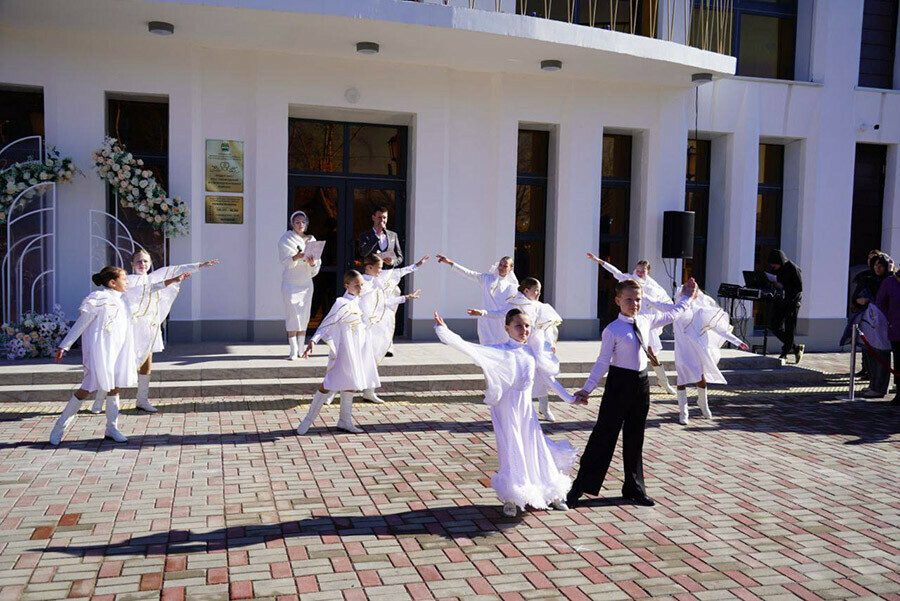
(107, 350)
(297, 281)
(497, 285)
(533, 470)
(653, 291)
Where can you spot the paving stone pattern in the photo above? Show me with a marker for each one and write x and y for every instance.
(785, 494)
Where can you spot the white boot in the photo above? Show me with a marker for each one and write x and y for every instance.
(319, 399)
(97, 407)
(112, 419)
(510, 510)
(544, 409)
(143, 394)
(294, 353)
(345, 422)
(682, 406)
(663, 379)
(704, 403)
(369, 395)
(64, 420)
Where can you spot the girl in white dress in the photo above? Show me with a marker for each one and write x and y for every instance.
(497, 285)
(351, 358)
(297, 281)
(545, 331)
(533, 470)
(379, 301)
(150, 295)
(700, 332)
(107, 350)
(650, 290)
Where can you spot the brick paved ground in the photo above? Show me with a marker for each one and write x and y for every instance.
(786, 494)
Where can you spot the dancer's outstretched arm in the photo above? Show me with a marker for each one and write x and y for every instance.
(609, 267)
(472, 275)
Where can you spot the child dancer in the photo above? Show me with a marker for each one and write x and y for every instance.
(379, 301)
(545, 331)
(626, 395)
(497, 285)
(107, 350)
(700, 332)
(296, 281)
(150, 296)
(351, 359)
(651, 290)
(533, 469)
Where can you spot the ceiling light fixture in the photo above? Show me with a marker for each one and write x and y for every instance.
(551, 65)
(698, 79)
(367, 47)
(161, 28)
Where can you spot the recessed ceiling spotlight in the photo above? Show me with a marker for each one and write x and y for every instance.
(698, 79)
(551, 65)
(367, 47)
(161, 28)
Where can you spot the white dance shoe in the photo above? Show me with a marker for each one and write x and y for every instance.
(703, 401)
(510, 510)
(112, 420)
(544, 410)
(682, 407)
(345, 422)
(64, 420)
(559, 505)
(369, 395)
(97, 407)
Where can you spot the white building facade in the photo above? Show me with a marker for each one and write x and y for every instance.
(434, 126)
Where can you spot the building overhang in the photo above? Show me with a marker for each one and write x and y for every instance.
(407, 32)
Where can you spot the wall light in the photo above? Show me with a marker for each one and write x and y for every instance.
(161, 28)
(367, 47)
(698, 79)
(551, 65)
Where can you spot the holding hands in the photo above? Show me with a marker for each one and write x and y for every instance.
(581, 397)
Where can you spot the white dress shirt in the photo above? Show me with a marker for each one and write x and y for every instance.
(620, 347)
(382, 239)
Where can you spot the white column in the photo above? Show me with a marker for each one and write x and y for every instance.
(890, 232)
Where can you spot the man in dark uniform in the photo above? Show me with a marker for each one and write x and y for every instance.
(784, 315)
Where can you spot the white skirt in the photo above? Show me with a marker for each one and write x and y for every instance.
(297, 305)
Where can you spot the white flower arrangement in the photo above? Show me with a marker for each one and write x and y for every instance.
(21, 176)
(139, 190)
(36, 335)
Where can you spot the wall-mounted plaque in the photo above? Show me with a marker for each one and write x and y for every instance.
(224, 166)
(225, 209)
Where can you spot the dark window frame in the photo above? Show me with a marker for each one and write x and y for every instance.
(402, 165)
(761, 316)
(615, 183)
(692, 184)
(542, 180)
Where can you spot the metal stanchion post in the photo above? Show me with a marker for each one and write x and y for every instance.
(854, 336)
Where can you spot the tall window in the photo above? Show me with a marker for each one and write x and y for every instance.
(615, 206)
(762, 35)
(21, 114)
(868, 201)
(770, 190)
(143, 127)
(879, 39)
(531, 203)
(696, 199)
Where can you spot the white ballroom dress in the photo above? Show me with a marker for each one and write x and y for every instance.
(296, 281)
(379, 301)
(351, 358)
(533, 470)
(495, 292)
(151, 301)
(107, 341)
(700, 331)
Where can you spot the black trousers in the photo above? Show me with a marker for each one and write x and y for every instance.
(625, 403)
(784, 324)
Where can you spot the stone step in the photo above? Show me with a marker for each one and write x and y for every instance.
(435, 383)
(31, 375)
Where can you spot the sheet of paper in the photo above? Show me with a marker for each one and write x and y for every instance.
(388, 254)
(314, 249)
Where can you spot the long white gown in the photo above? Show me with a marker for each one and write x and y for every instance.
(700, 331)
(495, 292)
(652, 291)
(296, 281)
(545, 322)
(533, 470)
(351, 358)
(379, 301)
(150, 301)
(107, 341)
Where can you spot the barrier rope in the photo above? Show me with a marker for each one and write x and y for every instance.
(877, 356)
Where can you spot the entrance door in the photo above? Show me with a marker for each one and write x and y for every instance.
(339, 210)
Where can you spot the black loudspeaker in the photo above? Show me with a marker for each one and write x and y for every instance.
(678, 235)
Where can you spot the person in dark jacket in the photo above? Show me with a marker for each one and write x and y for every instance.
(888, 301)
(859, 284)
(784, 315)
